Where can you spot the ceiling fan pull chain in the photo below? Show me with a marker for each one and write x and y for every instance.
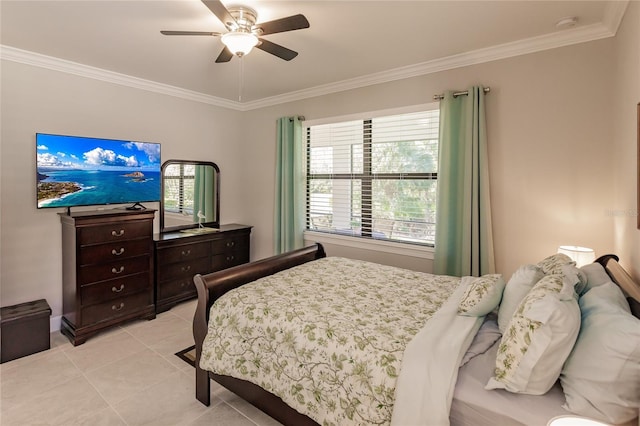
(241, 78)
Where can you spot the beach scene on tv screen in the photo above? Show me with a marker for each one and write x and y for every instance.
(80, 171)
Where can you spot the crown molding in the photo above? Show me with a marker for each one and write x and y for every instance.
(613, 15)
(62, 65)
(503, 51)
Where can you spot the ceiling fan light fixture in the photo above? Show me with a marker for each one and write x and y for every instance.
(240, 43)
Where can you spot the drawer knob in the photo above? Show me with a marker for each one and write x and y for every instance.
(117, 308)
(231, 243)
(117, 233)
(230, 258)
(186, 268)
(117, 290)
(186, 252)
(118, 252)
(117, 271)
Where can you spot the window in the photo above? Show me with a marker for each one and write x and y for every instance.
(179, 189)
(375, 177)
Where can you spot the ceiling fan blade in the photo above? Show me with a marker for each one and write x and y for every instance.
(277, 50)
(221, 12)
(196, 33)
(290, 23)
(224, 56)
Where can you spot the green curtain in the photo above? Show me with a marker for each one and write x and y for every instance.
(464, 241)
(204, 192)
(290, 186)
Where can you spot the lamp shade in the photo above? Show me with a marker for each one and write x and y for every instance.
(239, 43)
(580, 255)
(574, 421)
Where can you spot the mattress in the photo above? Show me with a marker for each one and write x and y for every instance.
(474, 406)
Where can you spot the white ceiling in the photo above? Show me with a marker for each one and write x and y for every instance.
(349, 43)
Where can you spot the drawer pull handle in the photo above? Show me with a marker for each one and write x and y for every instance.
(117, 253)
(183, 284)
(117, 290)
(117, 271)
(117, 233)
(117, 308)
(186, 268)
(186, 252)
(230, 258)
(231, 243)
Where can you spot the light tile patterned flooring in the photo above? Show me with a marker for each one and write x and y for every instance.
(128, 375)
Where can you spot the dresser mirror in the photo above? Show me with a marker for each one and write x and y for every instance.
(190, 195)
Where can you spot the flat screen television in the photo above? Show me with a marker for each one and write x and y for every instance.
(82, 171)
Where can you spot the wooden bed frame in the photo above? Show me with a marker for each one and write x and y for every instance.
(211, 286)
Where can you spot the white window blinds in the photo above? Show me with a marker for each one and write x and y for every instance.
(374, 178)
(179, 189)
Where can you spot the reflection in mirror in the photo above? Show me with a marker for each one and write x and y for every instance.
(190, 195)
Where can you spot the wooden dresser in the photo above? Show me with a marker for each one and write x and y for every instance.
(181, 255)
(107, 273)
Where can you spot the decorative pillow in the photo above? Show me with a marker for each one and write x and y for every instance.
(554, 263)
(595, 275)
(516, 289)
(482, 295)
(601, 378)
(538, 339)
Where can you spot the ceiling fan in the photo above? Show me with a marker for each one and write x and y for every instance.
(243, 32)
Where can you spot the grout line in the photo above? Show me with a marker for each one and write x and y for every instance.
(109, 406)
(66, 348)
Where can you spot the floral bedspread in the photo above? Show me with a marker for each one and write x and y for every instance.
(327, 337)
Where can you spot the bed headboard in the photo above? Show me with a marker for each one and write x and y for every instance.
(623, 279)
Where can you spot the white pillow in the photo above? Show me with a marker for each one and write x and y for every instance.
(481, 296)
(601, 378)
(538, 339)
(575, 278)
(595, 274)
(516, 289)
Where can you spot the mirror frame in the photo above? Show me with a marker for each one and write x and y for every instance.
(213, 224)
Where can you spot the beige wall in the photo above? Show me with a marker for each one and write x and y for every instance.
(549, 127)
(38, 100)
(626, 95)
(551, 117)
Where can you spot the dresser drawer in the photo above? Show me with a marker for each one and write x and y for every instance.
(107, 271)
(233, 243)
(114, 232)
(227, 260)
(175, 271)
(116, 307)
(112, 289)
(109, 252)
(182, 252)
(182, 287)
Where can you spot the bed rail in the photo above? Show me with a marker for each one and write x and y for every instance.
(623, 279)
(211, 286)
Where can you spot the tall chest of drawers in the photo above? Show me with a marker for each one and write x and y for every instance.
(107, 271)
(181, 255)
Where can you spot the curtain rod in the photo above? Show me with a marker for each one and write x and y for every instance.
(300, 117)
(466, 92)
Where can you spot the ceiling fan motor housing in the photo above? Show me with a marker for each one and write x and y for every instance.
(245, 19)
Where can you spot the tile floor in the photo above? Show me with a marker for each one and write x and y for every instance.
(128, 375)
